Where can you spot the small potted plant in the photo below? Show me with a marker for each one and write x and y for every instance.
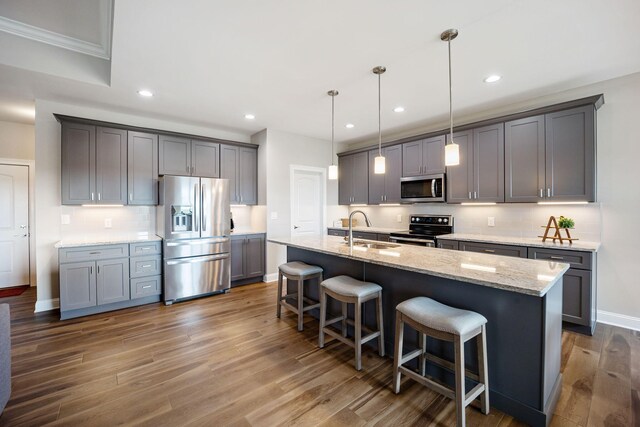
(564, 222)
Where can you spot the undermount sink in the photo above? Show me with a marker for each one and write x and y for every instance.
(373, 245)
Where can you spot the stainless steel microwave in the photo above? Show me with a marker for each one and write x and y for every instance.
(420, 189)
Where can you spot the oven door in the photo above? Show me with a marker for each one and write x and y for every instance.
(420, 189)
(412, 241)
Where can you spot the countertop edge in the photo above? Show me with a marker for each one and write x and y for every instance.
(120, 241)
(498, 240)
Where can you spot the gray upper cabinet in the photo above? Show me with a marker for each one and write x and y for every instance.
(94, 165)
(143, 169)
(460, 177)
(78, 180)
(205, 159)
(570, 154)
(385, 188)
(111, 165)
(191, 157)
(424, 157)
(353, 176)
(240, 166)
(174, 155)
(551, 157)
(480, 175)
(524, 160)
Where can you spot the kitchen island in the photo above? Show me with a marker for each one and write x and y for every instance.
(521, 299)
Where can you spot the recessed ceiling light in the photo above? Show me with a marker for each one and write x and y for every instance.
(398, 109)
(249, 116)
(492, 79)
(145, 93)
(349, 125)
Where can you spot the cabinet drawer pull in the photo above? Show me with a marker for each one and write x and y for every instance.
(548, 192)
(541, 193)
(469, 194)
(557, 257)
(146, 266)
(489, 250)
(145, 249)
(146, 287)
(94, 253)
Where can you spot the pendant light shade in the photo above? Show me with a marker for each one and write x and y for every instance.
(379, 166)
(451, 150)
(333, 168)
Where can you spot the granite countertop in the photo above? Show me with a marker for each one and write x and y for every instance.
(106, 239)
(381, 230)
(578, 245)
(525, 276)
(243, 231)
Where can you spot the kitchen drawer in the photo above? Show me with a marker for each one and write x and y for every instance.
(580, 260)
(145, 286)
(383, 237)
(145, 266)
(334, 232)
(91, 253)
(489, 248)
(364, 235)
(448, 244)
(147, 248)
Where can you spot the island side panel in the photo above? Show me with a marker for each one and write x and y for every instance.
(515, 332)
(552, 347)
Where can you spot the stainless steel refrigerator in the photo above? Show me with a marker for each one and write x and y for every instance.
(194, 221)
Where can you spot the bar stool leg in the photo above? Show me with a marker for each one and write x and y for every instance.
(323, 316)
(422, 359)
(344, 319)
(279, 308)
(481, 342)
(300, 302)
(398, 352)
(460, 392)
(358, 337)
(380, 327)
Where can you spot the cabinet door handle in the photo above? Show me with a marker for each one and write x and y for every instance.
(557, 257)
(130, 196)
(475, 194)
(146, 266)
(91, 196)
(548, 192)
(99, 196)
(489, 250)
(146, 287)
(193, 170)
(469, 194)
(541, 193)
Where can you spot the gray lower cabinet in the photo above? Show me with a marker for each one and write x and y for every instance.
(240, 166)
(368, 235)
(423, 157)
(190, 157)
(94, 165)
(94, 279)
(385, 188)
(247, 259)
(142, 168)
(353, 178)
(448, 244)
(493, 249)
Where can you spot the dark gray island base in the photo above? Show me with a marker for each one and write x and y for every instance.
(523, 331)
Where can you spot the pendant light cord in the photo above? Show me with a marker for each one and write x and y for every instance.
(332, 126)
(379, 118)
(450, 96)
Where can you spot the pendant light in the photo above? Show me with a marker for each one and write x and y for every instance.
(333, 169)
(451, 150)
(379, 161)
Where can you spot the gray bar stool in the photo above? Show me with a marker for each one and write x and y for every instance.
(299, 272)
(348, 290)
(431, 318)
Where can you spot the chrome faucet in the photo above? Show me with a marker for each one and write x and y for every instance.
(366, 219)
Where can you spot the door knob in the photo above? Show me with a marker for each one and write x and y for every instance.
(23, 226)
(295, 227)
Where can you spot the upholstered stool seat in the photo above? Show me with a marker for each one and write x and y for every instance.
(433, 319)
(348, 290)
(299, 272)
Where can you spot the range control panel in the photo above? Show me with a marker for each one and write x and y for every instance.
(432, 219)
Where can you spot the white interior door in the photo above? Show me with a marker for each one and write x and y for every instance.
(14, 225)
(307, 209)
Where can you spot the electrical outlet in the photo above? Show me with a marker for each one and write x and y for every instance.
(399, 218)
(491, 221)
(107, 223)
(274, 215)
(65, 219)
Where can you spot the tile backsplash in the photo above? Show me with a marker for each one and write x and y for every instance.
(85, 221)
(519, 220)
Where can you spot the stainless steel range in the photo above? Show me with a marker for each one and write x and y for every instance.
(424, 229)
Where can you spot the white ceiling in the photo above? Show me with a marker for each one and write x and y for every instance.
(209, 63)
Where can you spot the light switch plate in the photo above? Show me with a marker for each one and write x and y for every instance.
(65, 219)
(107, 223)
(491, 221)
(399, 218)
(274, 215)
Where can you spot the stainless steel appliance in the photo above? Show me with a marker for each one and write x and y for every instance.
(420, 189)
(424, 230)
(193, 219)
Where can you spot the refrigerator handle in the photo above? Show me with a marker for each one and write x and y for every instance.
(204, 218)
(196, 208)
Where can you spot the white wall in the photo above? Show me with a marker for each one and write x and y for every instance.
(17, 141)
(618, 152)
(279, 151)
(48, 229)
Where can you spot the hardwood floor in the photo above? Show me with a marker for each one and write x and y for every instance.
(227, 360)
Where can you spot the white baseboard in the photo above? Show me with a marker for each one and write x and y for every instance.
(270, 277)
(621, 320)
(47, 305)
